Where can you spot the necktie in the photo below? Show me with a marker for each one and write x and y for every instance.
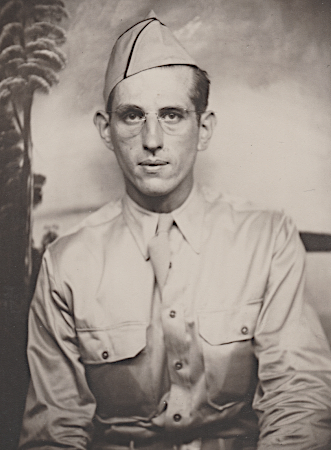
(159, 249)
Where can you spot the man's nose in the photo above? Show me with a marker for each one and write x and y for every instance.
(152, 134)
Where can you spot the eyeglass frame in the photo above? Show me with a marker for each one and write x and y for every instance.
(160, 120)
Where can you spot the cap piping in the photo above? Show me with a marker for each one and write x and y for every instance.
(119, 37)
(149, 18)
(133, 46)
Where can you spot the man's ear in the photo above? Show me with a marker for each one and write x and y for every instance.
(101, 121)
(207, 123)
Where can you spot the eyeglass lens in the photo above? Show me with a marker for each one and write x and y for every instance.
(130, 120)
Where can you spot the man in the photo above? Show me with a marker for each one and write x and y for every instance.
(173, 319)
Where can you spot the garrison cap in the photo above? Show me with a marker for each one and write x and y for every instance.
(145, 45)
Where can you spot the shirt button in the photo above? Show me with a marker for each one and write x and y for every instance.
(172, 314)
(244, 330)
(170, 265)
(178, 365)
(177, 417)
(105, 355)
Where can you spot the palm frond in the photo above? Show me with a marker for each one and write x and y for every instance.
(50, 12)
(4, 96)
(11, 52)
(13, 84)
(11, 67)
(50, 58)
(49, 2)
(45, 29)
(45, 44)
(41, 43)
(34, 68)
(39, 83)
(9, 12)
(9, 33)
(6, 40)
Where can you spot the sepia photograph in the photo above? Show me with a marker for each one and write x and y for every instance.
(165, 224)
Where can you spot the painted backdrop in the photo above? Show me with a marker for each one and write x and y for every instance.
(270, 66)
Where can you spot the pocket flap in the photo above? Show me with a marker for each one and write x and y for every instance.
(114, 344)
(222, 327)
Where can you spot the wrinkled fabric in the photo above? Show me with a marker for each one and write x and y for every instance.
(111, 364)
(145, 45)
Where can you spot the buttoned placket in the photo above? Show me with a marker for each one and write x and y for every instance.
(176, 340)
(176, 336)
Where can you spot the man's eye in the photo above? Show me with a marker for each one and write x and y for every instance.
(172, 116)
(132, 117)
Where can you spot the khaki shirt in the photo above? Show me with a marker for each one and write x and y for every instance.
(109, 359)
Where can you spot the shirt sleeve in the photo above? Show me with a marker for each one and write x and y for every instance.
(59, 407)
(293, 397)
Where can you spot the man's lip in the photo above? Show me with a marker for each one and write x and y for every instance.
(154, 162)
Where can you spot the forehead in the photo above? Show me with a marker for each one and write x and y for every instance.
(156, 88)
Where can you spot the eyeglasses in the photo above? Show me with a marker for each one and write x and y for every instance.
(130, 120)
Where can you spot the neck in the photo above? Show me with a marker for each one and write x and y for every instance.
(163, 203)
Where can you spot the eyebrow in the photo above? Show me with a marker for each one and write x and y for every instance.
(128, 106)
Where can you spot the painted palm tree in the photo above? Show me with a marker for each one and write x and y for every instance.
(10, 156)
(30, 58)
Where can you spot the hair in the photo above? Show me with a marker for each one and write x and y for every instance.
(110, 100)
(199, 91)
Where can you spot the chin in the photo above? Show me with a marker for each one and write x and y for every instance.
(156, 189)
(156, 192)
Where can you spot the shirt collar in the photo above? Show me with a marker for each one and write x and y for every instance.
(188, 217)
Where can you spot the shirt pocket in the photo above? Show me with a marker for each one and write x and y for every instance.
(98, 346)
(118, 369)
(229, 360)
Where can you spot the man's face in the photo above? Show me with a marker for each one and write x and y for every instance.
(155, 163)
